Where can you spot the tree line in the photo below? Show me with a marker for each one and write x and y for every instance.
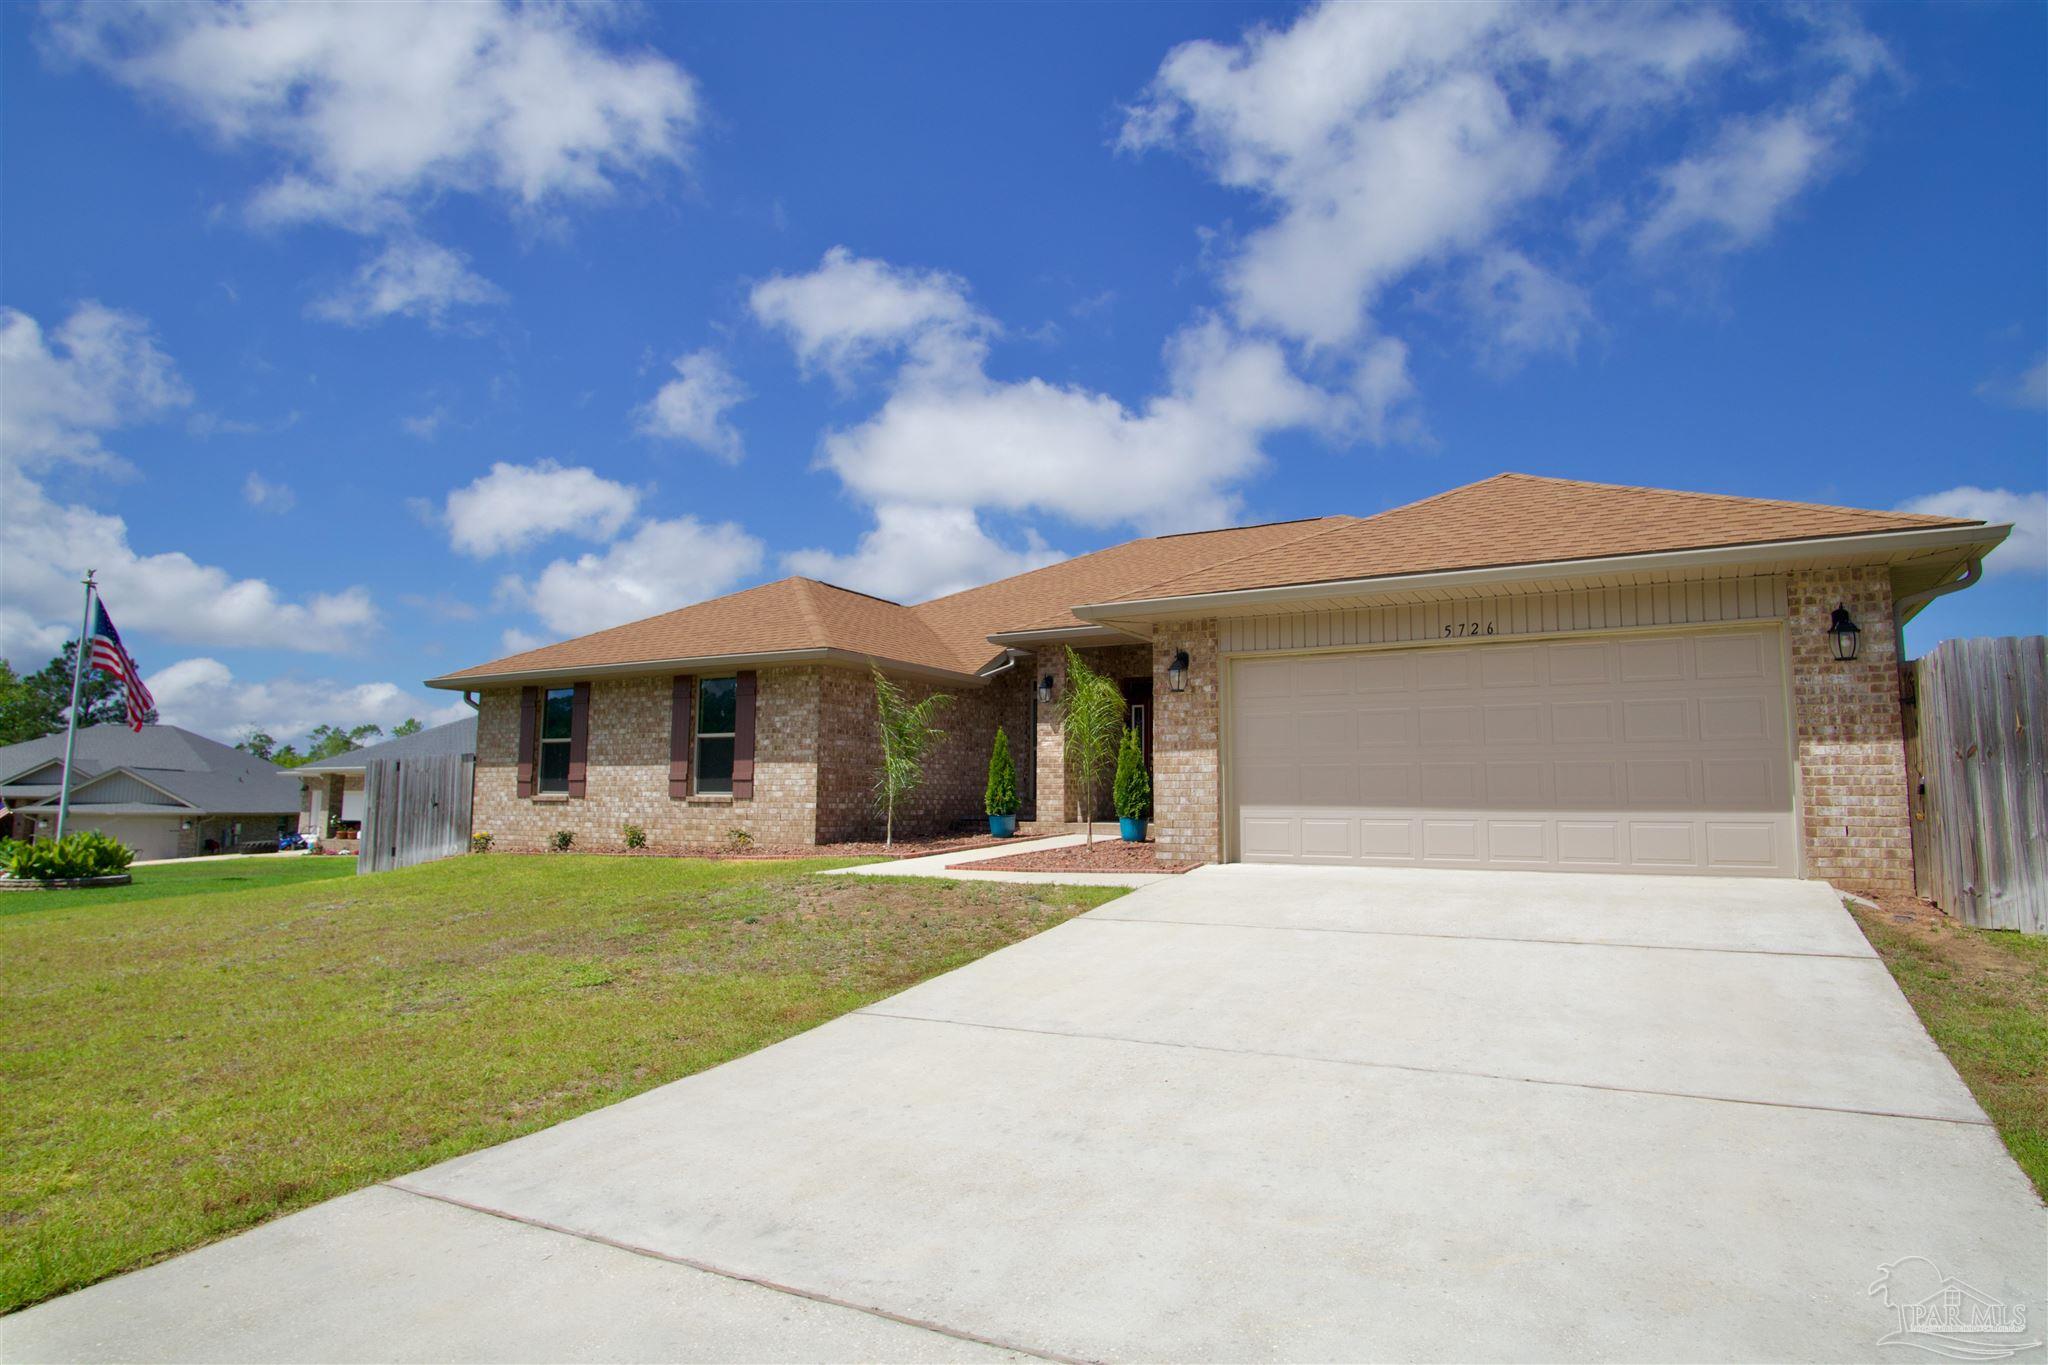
(38, 705)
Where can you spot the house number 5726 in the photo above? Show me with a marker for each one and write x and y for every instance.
(1458, 629)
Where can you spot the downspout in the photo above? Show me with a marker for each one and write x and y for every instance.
(1010, 658)
(474, 701)
(1904, 607)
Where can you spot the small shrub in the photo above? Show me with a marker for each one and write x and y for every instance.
(1133, 791)
(480, 842)
(1000, 796)
(563, 838)
(738, 840)
(87, 853)
(636, 837)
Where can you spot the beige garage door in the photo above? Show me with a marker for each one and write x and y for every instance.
(1663, 753)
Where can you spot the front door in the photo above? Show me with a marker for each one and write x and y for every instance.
(1138, 714)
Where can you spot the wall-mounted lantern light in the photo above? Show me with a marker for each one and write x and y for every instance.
(1177, 672)
(1045, 690)
(1843, 634)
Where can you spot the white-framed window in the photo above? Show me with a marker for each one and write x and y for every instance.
(718, 714)
(557, 719)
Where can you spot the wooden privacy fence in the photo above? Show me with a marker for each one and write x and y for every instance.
(1978, 762)
(415, 810)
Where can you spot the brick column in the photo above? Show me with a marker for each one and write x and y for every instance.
(1187, 770)
(1055, 802)
(1855, 820)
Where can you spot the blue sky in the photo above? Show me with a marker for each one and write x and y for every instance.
(354, 346)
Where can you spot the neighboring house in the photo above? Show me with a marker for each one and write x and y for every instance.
(1522, 673)
(164, 792)
(331, 809)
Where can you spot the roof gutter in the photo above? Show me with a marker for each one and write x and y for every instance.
(842, 658)
(1979, 538)
(1052, 635)
(1907, 607)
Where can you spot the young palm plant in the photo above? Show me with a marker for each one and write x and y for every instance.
(908, 734)
(1091, 714)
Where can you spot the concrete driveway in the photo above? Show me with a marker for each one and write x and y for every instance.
(1247, 1114)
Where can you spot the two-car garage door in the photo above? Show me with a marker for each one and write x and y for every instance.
(1660, 753)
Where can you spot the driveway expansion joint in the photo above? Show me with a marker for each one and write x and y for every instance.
(1476, 938)
(723, 1272)
(1433, 1070)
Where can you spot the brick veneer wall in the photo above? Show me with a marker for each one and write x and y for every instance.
(1052, 801)
(628, 770)
(956, 772)
(1187, 770)
(1854, 818)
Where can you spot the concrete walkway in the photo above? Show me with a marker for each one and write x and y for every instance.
(948, 865)
(1243, 1114)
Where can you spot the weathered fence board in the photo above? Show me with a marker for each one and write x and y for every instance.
(416, 810)
(1980, 761)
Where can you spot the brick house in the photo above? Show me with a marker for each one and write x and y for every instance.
(1520, 673)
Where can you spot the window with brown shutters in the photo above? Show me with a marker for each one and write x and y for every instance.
(529, 728)
(680, 730)
(718, 710)
(579, 739)
(743, 741)
(557, 729)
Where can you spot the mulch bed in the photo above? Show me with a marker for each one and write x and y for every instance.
(726, 852)
(1109, 854)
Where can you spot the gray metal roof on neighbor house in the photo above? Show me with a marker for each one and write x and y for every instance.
(456, 737)
(204, 774)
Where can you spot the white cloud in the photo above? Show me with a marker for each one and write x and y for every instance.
(517, 641)
(852, 309)
(2025, 550)
(1733, 191)
(951, 436)
(1524, 308)
(692, 406)
(409, 278)
(99, 371)
(1390, 140)
(425, 425)
(2027, 389)
(661, 566)
(515, 505)
(265, 496)
(107, 372)
(917, 553)
(372, 108)
(205, 695)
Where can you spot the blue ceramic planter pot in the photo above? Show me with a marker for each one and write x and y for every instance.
(1002, 826)
(1133, 831)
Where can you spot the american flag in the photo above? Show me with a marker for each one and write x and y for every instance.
(109, 656)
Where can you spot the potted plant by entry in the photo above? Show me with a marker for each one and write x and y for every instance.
(1000, 797)
(1133, 792)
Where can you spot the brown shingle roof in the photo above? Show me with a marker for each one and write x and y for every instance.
(788, 615)
(1039, 600)
(1525, 519)
(1507, 519)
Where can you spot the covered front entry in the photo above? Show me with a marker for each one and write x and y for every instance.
(1651, 753)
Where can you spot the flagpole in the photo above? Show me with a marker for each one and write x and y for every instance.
(71, 728)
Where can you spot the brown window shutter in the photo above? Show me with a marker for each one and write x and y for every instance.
(529, 736)
(743, 741)
(680, 733)
(579, 738)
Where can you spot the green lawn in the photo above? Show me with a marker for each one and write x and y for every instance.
(193, 877)
(175, 1069)
(1983, 995)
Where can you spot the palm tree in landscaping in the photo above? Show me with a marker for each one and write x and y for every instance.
(1091, 716)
